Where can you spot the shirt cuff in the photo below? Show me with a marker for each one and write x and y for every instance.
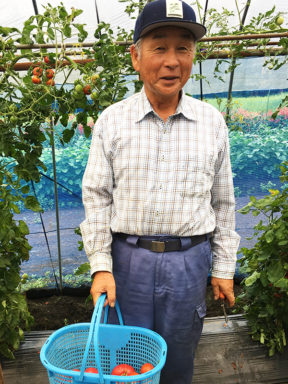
(100, 262)
(223, 275)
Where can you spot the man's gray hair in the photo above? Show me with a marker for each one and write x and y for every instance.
(139, 43)
(138, 46)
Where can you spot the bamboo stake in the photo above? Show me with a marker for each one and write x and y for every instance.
(252, 36)
(221, 54)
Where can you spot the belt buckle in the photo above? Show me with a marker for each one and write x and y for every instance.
(158, 246)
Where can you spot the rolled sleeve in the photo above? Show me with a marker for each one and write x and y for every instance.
(225, 240)
(97, 189)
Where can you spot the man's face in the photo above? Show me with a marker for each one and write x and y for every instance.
(165, 62)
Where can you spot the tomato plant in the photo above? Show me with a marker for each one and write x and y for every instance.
(32, 106)
(265, 289)
(24, 110)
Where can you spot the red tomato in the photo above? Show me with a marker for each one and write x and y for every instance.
(36, 80)
(91, 370)
(37, 71)
(87, 89)
(146, 367)
(123, 370)
(49, 73)
(46, 59)
(50, 82)
(75, 369)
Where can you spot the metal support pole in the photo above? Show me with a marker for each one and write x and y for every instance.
(233, 62)
(56, 205)
(97, 13)
(200, 63)
(35, 7)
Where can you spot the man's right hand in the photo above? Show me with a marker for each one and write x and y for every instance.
(104, 283)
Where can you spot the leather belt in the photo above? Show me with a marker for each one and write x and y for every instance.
(165, 245)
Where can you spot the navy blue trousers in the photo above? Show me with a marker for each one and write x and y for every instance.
(164, 292)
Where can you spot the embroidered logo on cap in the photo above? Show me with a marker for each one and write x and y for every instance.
(174, 8)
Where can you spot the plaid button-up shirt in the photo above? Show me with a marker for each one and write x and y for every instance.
(148, 177)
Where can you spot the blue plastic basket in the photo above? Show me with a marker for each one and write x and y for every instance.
(104, 346)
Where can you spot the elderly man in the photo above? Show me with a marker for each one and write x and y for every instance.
(158, 193)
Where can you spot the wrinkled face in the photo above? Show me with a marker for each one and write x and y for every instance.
(164, 62)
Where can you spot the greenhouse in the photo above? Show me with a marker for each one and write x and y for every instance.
(64, 69)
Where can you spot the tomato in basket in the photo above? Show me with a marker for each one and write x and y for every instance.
(146, 367)
(91, 370)
(123, 370)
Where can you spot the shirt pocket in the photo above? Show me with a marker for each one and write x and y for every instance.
(195, 174)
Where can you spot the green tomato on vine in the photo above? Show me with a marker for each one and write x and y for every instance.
(94, 96)
(280, 20)
(13, 119)
(78, 88)
(13, 108)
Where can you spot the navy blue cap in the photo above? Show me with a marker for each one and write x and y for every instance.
(162, 13)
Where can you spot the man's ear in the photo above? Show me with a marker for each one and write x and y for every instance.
(134, 57)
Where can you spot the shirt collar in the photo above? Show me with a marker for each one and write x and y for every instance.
(144, 106)
(184, 107)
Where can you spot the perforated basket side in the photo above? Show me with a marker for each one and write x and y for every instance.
(66, 347)
(74, 347)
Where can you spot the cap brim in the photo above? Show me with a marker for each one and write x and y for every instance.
(198, 30)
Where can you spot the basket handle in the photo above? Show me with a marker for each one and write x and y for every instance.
(89, 339)
(94, 329)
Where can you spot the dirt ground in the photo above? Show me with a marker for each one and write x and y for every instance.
(56, 311)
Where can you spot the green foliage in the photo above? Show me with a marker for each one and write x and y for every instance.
(256, 156)
(71, 160)
(29, 113)
(72, 280)
(265, 291)
(218, 22)
(14, 316)
(134, 7)
(14, 249)
(261, 147)
(24, 108)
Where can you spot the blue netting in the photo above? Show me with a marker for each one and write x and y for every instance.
(258, 146)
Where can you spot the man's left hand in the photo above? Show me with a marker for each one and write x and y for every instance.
(226, 287)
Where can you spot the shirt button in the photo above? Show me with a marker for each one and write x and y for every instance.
(157, 213)
(163, 157)
(160, 186)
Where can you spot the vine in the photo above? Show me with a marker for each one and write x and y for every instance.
(31, 105)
